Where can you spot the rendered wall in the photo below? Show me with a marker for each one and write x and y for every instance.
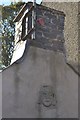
(79, 31)
(22, 83)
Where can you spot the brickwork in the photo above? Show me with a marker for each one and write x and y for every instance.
(70, 29)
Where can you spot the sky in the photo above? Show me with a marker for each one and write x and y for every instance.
(7, 2)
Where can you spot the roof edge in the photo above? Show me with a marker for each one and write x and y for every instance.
(19, 15)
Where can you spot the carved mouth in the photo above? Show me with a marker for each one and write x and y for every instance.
(47, 102)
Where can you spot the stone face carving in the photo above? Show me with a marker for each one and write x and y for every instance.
(47, 96)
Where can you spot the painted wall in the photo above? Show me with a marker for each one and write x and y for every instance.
(19, 45)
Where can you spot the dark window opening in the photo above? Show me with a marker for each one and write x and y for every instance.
(23, 27)
(26, 26)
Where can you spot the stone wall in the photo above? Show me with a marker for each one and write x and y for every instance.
(70, 29)
(49, 29)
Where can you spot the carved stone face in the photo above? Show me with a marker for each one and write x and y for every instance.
(47, 99)
(47, 96)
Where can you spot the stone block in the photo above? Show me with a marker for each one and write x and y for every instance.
(50, 35)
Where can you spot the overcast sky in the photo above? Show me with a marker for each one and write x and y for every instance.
(7, 2)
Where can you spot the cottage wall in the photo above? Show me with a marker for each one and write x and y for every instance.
(23, 82)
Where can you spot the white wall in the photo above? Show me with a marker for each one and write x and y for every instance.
(19, 46)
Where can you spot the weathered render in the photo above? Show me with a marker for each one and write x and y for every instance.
(39, 84)
(22, 82)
